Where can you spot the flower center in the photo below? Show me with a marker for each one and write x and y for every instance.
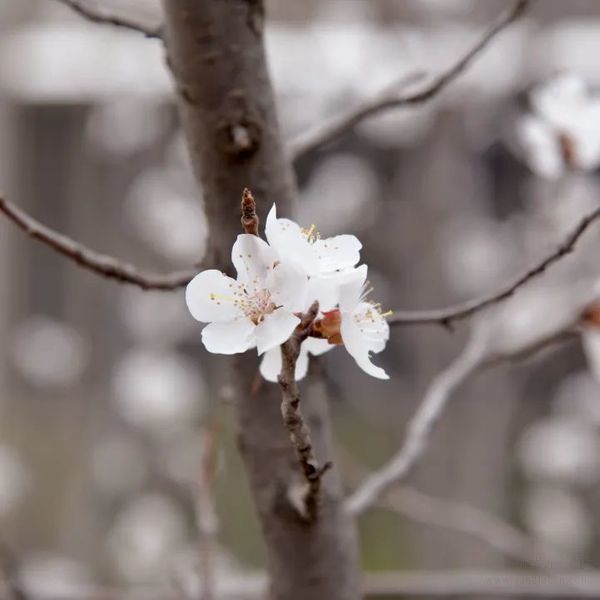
(254, 306)
(311, 234)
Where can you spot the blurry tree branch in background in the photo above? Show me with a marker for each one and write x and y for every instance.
(457, 516)
(104, 265)
(419, 429)
(391, 97)
(447, 316)
(98, 16)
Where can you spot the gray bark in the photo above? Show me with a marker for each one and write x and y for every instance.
(215, 50)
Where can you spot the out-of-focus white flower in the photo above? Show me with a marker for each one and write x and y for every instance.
(591, 345)
(158, 390)
(578, 397)
(254, 310)
(126, 125)
(358, 324)
(558, 518)
(166, 216)
(14, 480)
(48, 353)
(154, 318)
(52, 575)
(327, 262)
(563, 130)
(144, 537)
(270, 366)
(561, 449)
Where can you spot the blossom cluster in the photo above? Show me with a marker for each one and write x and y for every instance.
(277, 281)
(562, 130)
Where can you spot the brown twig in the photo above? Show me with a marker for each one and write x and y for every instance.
(293, 419)
(104, 265)
(97, 16)
(447, 316)
(328, 131)
(249, 218)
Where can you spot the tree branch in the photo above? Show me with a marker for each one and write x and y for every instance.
(102, 264)
(294, 421)
(474, 583)
(97, 16)
(419, 429)
(447, 316)
(324, 133)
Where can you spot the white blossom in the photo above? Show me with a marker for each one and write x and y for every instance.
(364, 329)
(270, 366)
(562, 132)
(257, 309)
(328, 262)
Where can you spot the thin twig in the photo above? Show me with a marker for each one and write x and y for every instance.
(102, 264)
(449, 315)
(418, 430)
(98, 16)
(472, 521)
(294, 421)
(328, 131)
(207, 519)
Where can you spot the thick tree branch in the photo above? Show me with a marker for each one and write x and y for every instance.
(447, 316)
(102, 264)
(295, 422)
(393, 98)
(98, 16)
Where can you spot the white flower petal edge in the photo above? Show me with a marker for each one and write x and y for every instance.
(363, 329)
(270, 366)
(275, 329)
(317, 256)
(253, 260)
(229, 338)
(208, 296)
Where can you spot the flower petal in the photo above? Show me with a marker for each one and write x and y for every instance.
(232, 337)
(275, 329)
(336, 253)
(270, 365)
(316, 346)
(288, 285)
(210, 297)
(359, 346)
(290, 242)
(253, 260)
(351, 290)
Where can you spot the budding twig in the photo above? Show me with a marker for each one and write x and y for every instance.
(249, 219)
(293, 419)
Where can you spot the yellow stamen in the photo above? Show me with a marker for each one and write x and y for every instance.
(389, 313)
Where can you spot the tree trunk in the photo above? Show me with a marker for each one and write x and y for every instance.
(216, 53)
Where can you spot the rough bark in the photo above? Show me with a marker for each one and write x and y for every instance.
(215, 50)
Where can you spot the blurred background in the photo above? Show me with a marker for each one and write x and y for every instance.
(111, 425)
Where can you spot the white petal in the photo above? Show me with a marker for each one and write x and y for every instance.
(289, 242)
(336, 253)
(253, 260)
(316, 346)
(359, 346)
(275, 329)
(210, 297)
(229, 338)
(350, 291)
(270, 365)
(591, 345)
(327, 288)
(541, 146)
(288, 285)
